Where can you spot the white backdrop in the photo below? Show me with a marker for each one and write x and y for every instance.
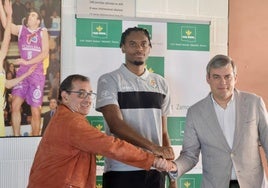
(183, 64)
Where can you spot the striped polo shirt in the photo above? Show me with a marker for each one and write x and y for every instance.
(143, 100)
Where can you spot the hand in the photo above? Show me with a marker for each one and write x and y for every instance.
(20, 61)
(161, 164)
(173, 167)
(164, 165)
(165, 152)
(173, 175)
(31, 69)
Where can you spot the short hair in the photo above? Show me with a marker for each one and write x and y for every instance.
(39, 17)
(219, 61)
(134, 29)
(53, 98)
(67, 83)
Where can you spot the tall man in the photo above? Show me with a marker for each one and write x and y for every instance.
(227, 127)
(33, 48)
(135, 103)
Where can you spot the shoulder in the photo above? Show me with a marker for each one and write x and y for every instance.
(246, 95)
(21, 28)
(47, 113)
(43, 32)
(111, 74)
(201, 104)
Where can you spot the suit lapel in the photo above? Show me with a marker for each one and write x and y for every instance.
(213, 124)
(241, 113)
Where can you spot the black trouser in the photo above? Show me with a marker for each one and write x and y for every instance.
(134, 179)
(234, 184)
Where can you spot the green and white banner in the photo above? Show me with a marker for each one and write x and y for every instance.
(180, 52)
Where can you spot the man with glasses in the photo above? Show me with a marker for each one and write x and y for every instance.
(66, 154)
(226, 127)
(135, 104)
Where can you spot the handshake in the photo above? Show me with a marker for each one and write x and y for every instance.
(164, 165)
(163, 162)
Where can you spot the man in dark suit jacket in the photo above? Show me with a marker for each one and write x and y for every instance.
(48, 115)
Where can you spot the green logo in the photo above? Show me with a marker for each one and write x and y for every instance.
(182, 36)
(188, 34)
(156, 65)
(98, 181)
(99, 30)
(96, 121)
(99, 160)
(187, 182)
(190, 181)
(176, 129)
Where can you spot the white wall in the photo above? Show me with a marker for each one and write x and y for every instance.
(16, 158)
(16, 154)
(208, 10)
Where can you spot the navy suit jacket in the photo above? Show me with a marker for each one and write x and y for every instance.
(46, 118)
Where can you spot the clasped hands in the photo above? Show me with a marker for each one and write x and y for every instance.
(163, 160)
(162, 164)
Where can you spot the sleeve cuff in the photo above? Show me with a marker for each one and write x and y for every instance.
(173, 175)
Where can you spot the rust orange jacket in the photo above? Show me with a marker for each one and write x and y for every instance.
(66, 154)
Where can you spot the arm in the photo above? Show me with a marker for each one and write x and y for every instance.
(3, 16)
(166, 142)
(11, 83)
(91, 140)
(7, 34)
(165, 109)
(263, 127)
(191, 147)
(118, 126)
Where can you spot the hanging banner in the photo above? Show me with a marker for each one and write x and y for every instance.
(111, 8)
(180, 53)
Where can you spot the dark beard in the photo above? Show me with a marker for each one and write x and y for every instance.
(137, 63)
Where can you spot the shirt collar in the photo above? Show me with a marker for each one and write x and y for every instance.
(128, 73)
(229, 102)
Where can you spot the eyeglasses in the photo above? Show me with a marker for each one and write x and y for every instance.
(83, 94)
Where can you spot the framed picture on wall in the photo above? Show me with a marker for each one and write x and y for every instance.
(50, 13)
